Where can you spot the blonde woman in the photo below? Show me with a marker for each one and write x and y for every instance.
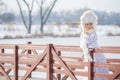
(88, 41)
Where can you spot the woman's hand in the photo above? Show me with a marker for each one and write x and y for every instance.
(90, 59)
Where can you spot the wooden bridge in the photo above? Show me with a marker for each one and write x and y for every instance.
(49, 59)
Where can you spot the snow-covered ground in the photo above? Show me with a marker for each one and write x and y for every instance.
(19, 30)
(102, 40)
(106, 29)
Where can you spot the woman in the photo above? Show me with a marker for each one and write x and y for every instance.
(88, 41)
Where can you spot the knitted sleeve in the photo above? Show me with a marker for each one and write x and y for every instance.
(84, 47)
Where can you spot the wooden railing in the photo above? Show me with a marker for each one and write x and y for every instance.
(50, 59)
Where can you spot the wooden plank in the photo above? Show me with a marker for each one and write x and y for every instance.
(106, 65)
(30, 46)
(113, 60)
(29, 56)
(4, 73)
(116, 72)
(63, 64)
(103, 75)
(7, 46)
(67, 48)
(23, 51)
(34, 52)
(111, 49)
(7, 54)
(34, 65)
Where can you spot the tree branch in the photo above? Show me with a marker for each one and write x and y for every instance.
(26, 3)
(48, 12)
(37, 3)
(48, 8)
(30, 11)
(44, 14)
(23, 19)
(32, 5)
(41, 3)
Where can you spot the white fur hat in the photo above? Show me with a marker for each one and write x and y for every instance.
(88, 16)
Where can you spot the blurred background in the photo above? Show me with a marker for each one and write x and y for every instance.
(47, 19)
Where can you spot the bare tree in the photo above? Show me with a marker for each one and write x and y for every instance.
(45, 11)
(30, 9)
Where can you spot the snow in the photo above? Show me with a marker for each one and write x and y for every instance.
(19, 30)
(104, 30)
(102, 40)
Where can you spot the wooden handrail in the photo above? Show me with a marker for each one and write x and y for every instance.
(50, 54)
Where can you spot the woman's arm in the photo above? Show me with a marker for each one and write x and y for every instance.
(84, 47)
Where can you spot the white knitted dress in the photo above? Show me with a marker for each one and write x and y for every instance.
(90, 41)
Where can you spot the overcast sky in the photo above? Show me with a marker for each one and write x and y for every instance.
(104, 5)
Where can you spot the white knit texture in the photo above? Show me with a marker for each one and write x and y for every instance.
(88, 16)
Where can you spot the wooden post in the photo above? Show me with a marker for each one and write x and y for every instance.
(90, 71)
(59, 75)
(16, 63)
(29, 52)
(90, 66)
(2, 51)
(49, 63)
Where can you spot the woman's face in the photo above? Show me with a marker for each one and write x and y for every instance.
(89, 25)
